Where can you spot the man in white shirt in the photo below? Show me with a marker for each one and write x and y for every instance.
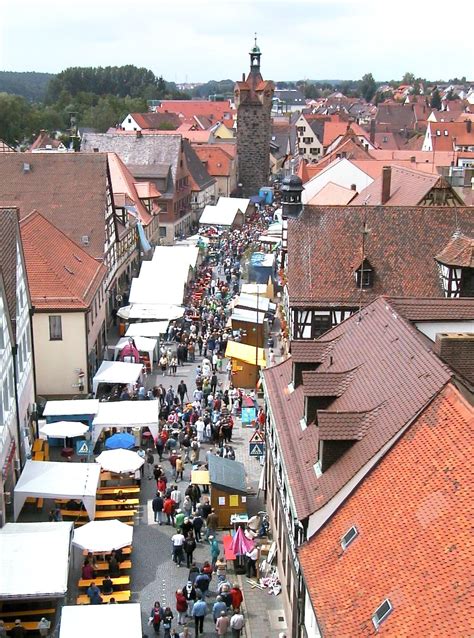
(178, 542)
(252, 556)
(237, 623)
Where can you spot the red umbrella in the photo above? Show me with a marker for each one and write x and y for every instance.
(240, 544)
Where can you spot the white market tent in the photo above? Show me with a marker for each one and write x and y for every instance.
(167, 312)
(119, 621)
(249, 316)
(143, 344)
(224, 212)
(48, 479)
(116, 372)
(72, 407)
(120, 414)
(252, 302)
(147, 329)
(255, 289)
(34, 559)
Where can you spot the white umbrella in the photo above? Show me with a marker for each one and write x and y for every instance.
(120, 461)
(103, 536)
(64, 429)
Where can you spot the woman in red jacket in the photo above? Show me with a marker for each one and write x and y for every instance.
(169, 507)
(181, 606)
(237, 597)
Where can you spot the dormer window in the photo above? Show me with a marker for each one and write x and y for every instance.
(364, 275)
(381, 613)
(455, 266)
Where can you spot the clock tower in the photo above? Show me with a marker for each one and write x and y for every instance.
(253, 101)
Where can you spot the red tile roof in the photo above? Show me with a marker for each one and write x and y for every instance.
(69, 189)
(61, 275)
(217, 161)
(448, 132)
(395, 376)
(407, 188)
(44, 140)
(333, 130)
(189, 108)
(327, 384)
(305, 351)
(343, 426)
(458, 252)
(157, 120)
(324, 250)
(414, 536)
(428, 309)
(123, 183)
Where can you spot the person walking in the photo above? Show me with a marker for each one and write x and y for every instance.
(178, 541)
(197, 526)
(155, 617)
(237, 597)
(181, 606)
(214, 547)
(199, 613)
(189, 547)
(189, 592)
(179, 468)
(167, 621)
(237, 623)
(150, 461)
(157, 507)
(222, 624)
(252, 556)
(202, 582)
(169, 507)
(212, 522)
(218, 607)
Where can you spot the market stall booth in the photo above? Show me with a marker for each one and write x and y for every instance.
(145, 346)
(228, 488)
(119, 621)
(246, 363)
(56, 480)
(117, 372)
(251, 326)
(83, 410)
(127, 414)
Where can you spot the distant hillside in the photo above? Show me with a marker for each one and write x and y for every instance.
(30, 85)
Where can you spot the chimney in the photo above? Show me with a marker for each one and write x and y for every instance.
(386, 183)
(457, 350)
(372, 131)
(468, 126)
(243, 77)
(139, 134)
(353, 187)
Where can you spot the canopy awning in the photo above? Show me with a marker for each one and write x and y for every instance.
(252, 302)
(150, 311)
(247, 316)
(73, 407)
(34, 559)
(244, 352)
(119, 621)
(116, 372)
(136, 414)
(147, 329)
(48, 479)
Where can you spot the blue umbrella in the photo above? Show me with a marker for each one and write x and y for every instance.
(120, 440)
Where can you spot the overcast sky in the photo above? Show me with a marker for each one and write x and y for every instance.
(200, 40)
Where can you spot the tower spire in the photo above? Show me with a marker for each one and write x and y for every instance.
(255, 54)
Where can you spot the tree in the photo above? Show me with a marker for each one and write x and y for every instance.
(408, 78)
(368, 87)
(435, 102)
(15, 118)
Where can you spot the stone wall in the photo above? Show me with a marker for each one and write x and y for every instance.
(253, 146)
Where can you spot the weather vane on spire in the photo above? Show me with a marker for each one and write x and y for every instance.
(255, 38)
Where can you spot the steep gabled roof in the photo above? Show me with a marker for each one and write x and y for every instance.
(61, 275)
(156, 120)
(6, 148)
(69, 189)
(407, 188)
(325, 244)
(218, 162)
(197, 169)
(458, 252)
(123, 184)
(448, 309)
(44, 141)
(9, 239)
(396, 377)
(414, 537)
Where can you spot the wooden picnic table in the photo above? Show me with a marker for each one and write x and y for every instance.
(126, 489)
(103, 566)
(120, 597)
(105, 514)
(28, 612)
(38, 445)
(119, 581)
(126, 551)
(115, 503)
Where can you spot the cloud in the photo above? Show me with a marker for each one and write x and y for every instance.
(200, 40)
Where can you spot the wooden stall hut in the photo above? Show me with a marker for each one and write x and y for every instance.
(246, 363)
(228, 488)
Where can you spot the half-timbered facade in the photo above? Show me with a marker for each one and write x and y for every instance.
(341, 258)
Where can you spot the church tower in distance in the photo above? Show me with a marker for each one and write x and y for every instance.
(253, 101)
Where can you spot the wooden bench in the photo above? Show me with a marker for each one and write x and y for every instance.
(46, 451)
(28, 612)
(119, 581)
(123, 478)
(29, 625)
(120, 597)
(38, 445)
(126, 551)
(128, 502)
(38, 501)
(115, 514)
(113, 491)
(103, 566)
